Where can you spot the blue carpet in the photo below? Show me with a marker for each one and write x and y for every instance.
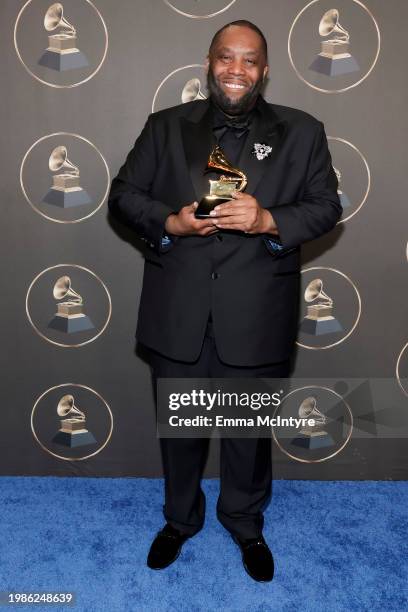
(338, 546)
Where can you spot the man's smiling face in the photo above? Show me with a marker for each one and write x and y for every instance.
(236, 68)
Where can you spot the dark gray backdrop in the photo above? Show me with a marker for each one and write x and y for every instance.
(147, 40)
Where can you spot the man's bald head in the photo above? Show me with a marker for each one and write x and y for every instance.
(242, 23)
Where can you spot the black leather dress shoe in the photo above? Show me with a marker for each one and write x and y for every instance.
(166, 547)
(256, 558)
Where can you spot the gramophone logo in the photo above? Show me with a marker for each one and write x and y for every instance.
(331, 308)
(353, 176)
(62, 52)
(66, 319)
(197, 9)
(192, 91)
(73, 431)
(312, 435)
(61, 44)
(66, 190)
(71, 422)
(319, 319)
(69, 317)
(326, 426)
(348, 39)
(334, 58)
(185, 84)
(64, 177)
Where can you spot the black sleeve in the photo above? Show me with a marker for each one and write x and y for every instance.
(319, 209)
(129, 197)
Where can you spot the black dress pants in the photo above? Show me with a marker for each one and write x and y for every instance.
(245, 463)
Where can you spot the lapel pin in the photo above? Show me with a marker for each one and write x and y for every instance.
(261, 150)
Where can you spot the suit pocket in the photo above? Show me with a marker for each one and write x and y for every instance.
(286, 264)
(153, 262)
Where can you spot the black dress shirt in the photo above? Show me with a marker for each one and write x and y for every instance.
(231, 134)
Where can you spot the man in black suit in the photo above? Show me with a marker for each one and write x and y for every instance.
(220, 295)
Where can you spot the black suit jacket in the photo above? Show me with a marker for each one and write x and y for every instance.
(252, 292)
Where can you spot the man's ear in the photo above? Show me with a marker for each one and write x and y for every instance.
(265, 72)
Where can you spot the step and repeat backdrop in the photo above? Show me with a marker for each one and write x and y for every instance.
(79, 79)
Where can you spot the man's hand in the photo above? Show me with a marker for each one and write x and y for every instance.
(244, 213)
(184, 223)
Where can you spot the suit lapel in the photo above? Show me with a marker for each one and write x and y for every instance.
(198, 141)
(265, 129)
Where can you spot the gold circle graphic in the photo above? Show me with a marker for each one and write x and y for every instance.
(365, 196)
(329, 456)
(191, 16)
(53, 341)
(60, 456)
(54, 84)
(319, 348)
(170, 75)
(331, 91)
(34, 206)
(397, 374)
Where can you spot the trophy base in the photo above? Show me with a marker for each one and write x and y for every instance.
(313, 442)
(70, 325)
(334, 67)
(344, 201)
(207, 204)
(74, 440)
(319, 327)
(67, 199)
(63, 61)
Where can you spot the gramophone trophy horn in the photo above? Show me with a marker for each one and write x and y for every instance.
(309, 410)
(69, 317)
(334, 58)
(66, 191)
(319, 319)
(314, 290)
(329, 24)
(61, 53)
(66, 407)
(72, 432)
(59, 161)
(222, 188)
(63, 289)
(218, 161)
(312, 436)
(54, 18)
(192, 91)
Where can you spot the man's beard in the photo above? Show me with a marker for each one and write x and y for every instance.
(233, 107)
